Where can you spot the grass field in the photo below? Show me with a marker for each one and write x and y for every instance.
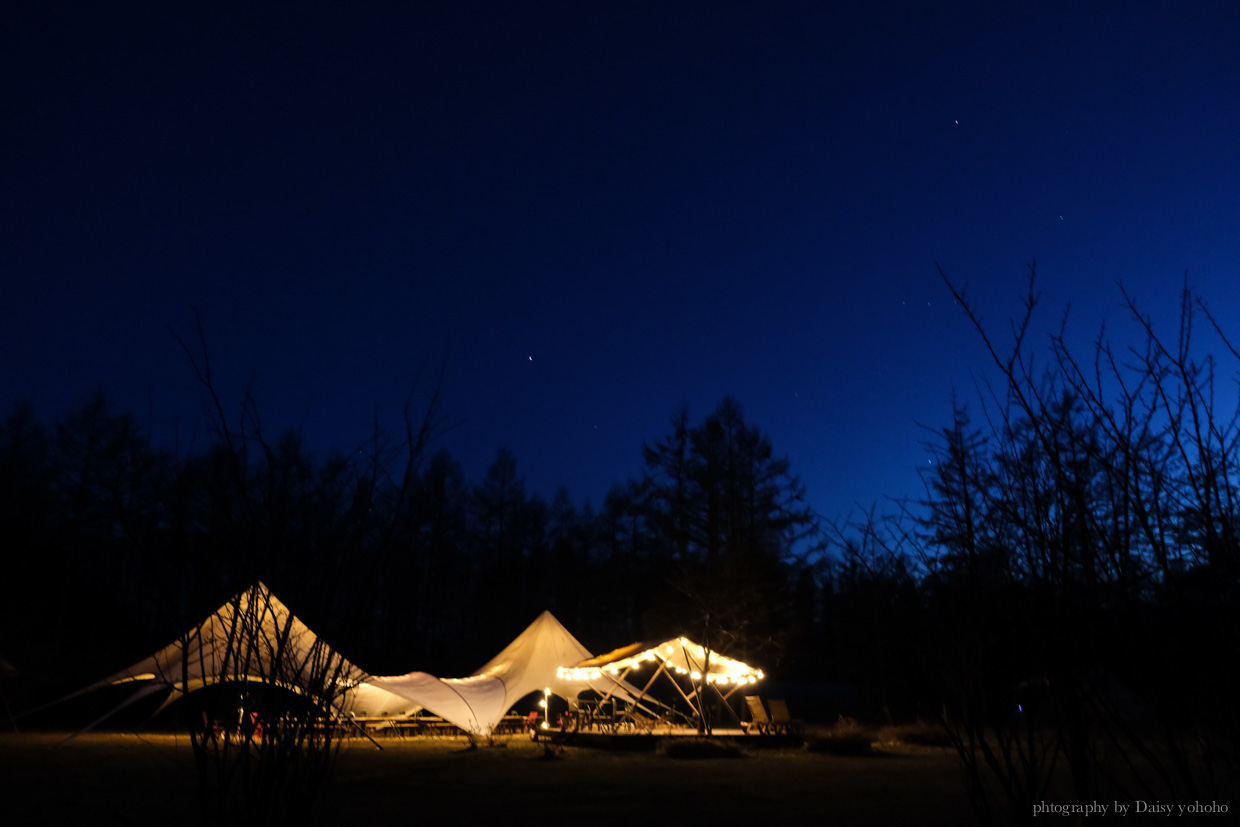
(115, 779)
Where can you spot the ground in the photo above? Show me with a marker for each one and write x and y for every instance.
(143, 779)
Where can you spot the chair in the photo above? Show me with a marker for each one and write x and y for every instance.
(782, 721)
(760, 723)
(606, 718)
(644, 724)
(587, 710)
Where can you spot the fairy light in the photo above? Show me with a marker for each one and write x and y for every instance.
(687, 661)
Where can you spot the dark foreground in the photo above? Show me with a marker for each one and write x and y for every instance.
(103, 779)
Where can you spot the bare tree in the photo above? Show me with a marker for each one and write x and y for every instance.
(265, 728)
(269, 701)
(1083, 541)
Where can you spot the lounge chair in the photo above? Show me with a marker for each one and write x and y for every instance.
(644, 723)
(782, 721)
(760, 723)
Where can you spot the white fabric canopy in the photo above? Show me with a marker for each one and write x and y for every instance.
(680, 656)
(254, 636)
(369, 701)
(475, 704)
(528, 664)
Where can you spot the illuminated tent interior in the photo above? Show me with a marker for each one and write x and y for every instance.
(530, 663)
(674, 658)
(252, 637)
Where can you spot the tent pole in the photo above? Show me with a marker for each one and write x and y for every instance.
(724, 698)
(697, 693)
(366, 734)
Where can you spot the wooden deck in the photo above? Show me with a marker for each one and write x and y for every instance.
(652, 740)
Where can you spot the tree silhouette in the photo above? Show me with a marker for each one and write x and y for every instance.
(728, 515)
(1082, 552)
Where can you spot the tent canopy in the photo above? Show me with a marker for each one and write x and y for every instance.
(529, 664)
(680, 656)
(253, 636)
(475, 704)
(369, 701)
(710, 672)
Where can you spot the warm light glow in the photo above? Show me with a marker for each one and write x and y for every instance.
(680, 656)
(574, 673)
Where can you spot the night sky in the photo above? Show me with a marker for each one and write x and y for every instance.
(592, 213)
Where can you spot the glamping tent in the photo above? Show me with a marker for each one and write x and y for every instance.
(670, 658)
(677, 655)
(252, 637)
(528, 664)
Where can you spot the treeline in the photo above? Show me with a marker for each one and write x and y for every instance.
(115, 544)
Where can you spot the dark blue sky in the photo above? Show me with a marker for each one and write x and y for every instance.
(600, 211)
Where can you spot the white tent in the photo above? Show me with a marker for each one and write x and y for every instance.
(528, 664)
(671, 658)
(369, 701)
(475, 704)
(678, 655)
(252, 637)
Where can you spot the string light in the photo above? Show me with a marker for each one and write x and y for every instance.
(723, 670)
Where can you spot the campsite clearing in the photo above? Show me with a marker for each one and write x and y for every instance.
(107, 778)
